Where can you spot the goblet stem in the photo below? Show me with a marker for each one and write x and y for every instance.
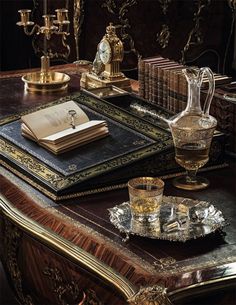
(191, 176)
(190, 181)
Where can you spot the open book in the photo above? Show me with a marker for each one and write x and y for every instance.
(62, 127)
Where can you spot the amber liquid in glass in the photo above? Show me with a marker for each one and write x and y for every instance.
(192, 156)
(146, 205)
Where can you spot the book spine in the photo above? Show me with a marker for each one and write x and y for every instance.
(146, 80)
(150, 83)
(175, 95)
(160, 86)
(152, 62)
(165, 88)
(141, 78)
(157, 87)
(171, 85)
(166, 84)
(167, 93)
(154, 84)
(183, 92)
(176, 107)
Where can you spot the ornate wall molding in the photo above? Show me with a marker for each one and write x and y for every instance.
(195, 36)
(120, 9)
(164, 36)
(164, 5)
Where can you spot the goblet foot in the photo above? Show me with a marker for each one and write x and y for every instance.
(183, 182)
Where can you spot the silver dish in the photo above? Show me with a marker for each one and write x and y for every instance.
(202, 219)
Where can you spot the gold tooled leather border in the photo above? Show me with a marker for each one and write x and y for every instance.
(120, 115)
(39, 169)
(62, 197)
(57, 181)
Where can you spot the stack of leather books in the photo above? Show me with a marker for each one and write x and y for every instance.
(162, 82)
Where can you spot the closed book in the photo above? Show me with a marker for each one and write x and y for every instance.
(183, 91)
(155, 79)
(157, 62)
(165, 65)
(173, 88)
(165, 89)
(141, 66)
(147, 73)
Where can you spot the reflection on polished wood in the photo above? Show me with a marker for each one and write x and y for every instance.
(69, 253)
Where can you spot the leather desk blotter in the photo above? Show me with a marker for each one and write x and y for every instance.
(133, 148)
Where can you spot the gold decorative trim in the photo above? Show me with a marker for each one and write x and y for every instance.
(164, 5)
(155, 295)
(175, 269)
(164, 36)
(146, 266)
(165, 263)
(187, 268)
(59, 182)
(68, 249)
(124, 117)
(97, 190)
(78, 20)
(11, 241)
(202, 286)
(62, 197)
(120, 11)
(195, 36)
(71, 290)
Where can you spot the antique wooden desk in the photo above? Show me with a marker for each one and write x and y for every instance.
(69, 253)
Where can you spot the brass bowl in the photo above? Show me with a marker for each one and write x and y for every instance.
(46, 81)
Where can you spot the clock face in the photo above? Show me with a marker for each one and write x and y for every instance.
(104, 50)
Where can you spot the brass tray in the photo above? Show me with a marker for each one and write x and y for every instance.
(209, 220)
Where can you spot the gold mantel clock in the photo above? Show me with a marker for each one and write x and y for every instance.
(106, 65)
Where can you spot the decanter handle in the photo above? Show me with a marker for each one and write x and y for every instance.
(211, 88)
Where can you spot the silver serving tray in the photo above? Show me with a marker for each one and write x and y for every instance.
(120, 217)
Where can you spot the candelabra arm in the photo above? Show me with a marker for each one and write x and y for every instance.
(64, 34)
(36, 29)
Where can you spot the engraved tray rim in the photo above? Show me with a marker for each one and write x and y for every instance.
(180, 237)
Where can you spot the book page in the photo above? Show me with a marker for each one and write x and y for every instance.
(86, 129)
(83, 139)
(54, 119)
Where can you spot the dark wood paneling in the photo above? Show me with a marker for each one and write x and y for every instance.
(196, 32)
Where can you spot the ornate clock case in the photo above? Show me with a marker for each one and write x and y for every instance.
(106, 65)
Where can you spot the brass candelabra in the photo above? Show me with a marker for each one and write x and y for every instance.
(46, 80)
